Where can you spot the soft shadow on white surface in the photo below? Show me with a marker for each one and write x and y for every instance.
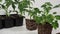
(17, 30)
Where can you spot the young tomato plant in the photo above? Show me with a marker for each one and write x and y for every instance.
(23, 5)
(46, 16)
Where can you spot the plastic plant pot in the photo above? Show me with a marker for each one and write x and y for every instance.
(9, 22)
(44, 29)
(31, 24)
(2, 21)
(18, 21)
(1, 25)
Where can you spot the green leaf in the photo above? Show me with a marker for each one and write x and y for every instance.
(0, 0)
(16, 0)
(3, 6)
(43, 5)
(48, 9)
(55, 25)
(54, 12)
(50, 18)
(36, 10)
(48, 3)
(37, 19)
(8, 0)
(13, 6)
(57, 17)
(57, 6)
(8, 4)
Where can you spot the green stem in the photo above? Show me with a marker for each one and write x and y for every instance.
(7, 14)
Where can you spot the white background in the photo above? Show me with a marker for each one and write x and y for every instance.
(22, 29)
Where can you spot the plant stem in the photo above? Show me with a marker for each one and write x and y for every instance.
(7, 14)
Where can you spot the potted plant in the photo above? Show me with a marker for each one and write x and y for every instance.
(31, 23)
(45, 20)
(23, 5)
(6, 19)
(18, 21)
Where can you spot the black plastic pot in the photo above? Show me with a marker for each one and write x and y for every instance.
(18, 21)
(31, 24)
(2, 21)
(44, 29)
(1, 25)
(8, 22)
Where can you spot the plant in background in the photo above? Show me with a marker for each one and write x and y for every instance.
(46, 16)
(3, 6)
(24, 4)
(13, 4)
(30, 23)
(21, 5)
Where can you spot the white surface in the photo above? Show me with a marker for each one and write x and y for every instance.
(17, 30)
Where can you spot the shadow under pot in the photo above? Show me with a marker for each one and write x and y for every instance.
(44, 29)
(58, 33)
(18, 20)
(31, 24)
(8, 22)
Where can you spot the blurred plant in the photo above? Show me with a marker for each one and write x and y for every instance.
(33, 12)
(24, 4)
(3, 6)
(21, 4)
(44, 15)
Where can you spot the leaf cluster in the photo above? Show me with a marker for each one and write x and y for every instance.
(45, 17)
(21, 5)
